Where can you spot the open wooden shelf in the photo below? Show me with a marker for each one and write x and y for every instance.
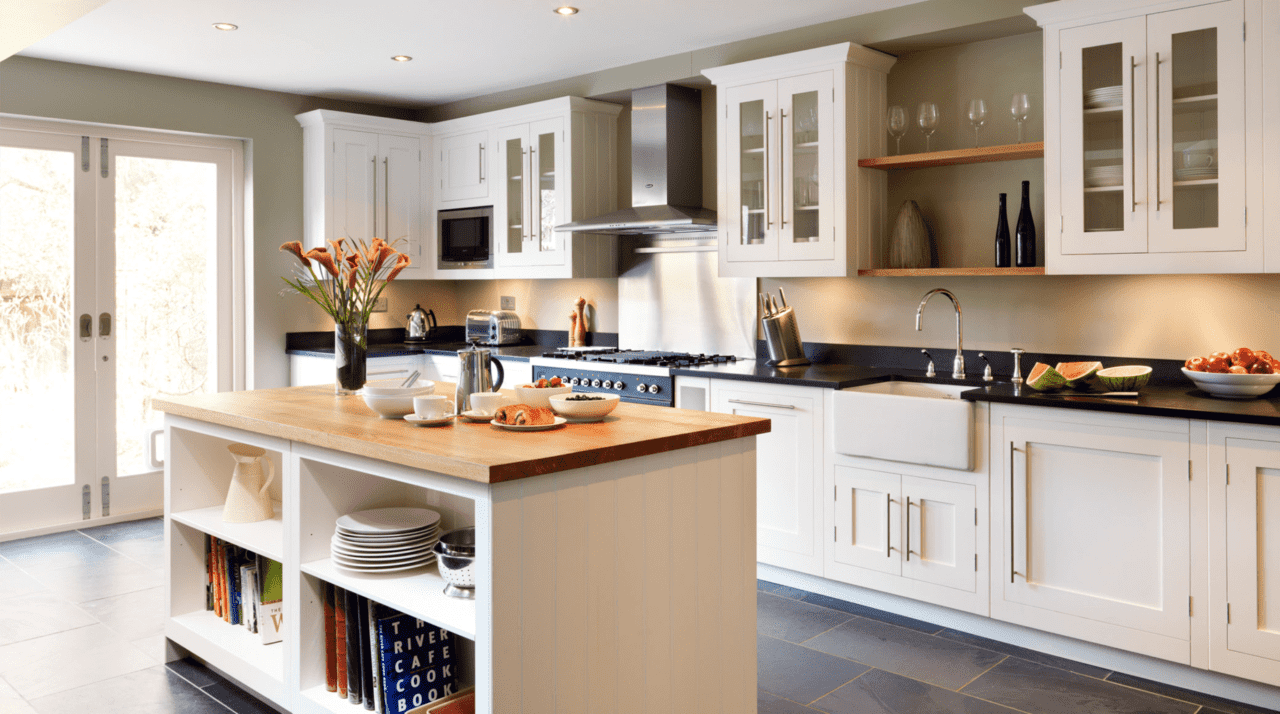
(951, 157)
(944, 272)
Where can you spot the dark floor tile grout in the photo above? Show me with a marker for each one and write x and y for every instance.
(869, 669)
(198, 688)
(988, 669)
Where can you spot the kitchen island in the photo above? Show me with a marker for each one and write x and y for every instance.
(615, 561)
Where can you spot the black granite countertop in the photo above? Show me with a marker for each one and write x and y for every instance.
(1167, 400)
(519, 353)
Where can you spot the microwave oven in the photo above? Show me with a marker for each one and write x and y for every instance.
(465, 237)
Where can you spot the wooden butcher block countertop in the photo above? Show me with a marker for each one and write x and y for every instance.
(475, 451)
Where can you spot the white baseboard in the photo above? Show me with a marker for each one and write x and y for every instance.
(77, 525)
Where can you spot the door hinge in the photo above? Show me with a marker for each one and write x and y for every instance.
(1188, 606)
(835, 492)
(84, 154)
(1228, 613)
(106, 159)
(1246, 215)
(833, 535)
(975, 562)
(1059, 60)
(86, 501)
(975, 522)
(1244, 31)
(1188, 469)
(106, 496)
(1228, 474)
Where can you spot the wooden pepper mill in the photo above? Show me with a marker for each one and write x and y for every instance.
(578, 324)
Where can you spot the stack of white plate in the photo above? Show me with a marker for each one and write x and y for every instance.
(1196, 174)
(1104, 97)
(1104, 175)
(385, 540)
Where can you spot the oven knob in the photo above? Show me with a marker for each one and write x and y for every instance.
(640, 387)
(574, 381)
(607, 384)
(619, 385)
(654, 389)
(595, 383)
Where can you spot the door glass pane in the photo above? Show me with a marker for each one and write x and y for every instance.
(1195, 129)
(752, 188)
(166, 237)
(37, 385)
(804, 166)
(1105, 166)
(546, 192)
(513, 153)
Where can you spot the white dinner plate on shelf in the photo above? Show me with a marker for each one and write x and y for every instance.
(559, 421)
(383, 569)
(357, 551)
(385, 521)
(381, 562)
(423, 421)
(378, 539)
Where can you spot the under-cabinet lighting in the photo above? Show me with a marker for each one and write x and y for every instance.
(225, 26)
(402, 58)
(566, 10)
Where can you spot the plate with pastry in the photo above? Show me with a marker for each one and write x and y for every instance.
(523, 417)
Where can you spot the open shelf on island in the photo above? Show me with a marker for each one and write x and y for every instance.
(417, 592)
(952, 157)
(263, 537)
(944, 272)
(232, 649)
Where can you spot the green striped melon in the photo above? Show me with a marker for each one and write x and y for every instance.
(1044, 378)
(1077, 374)
(1124, 379)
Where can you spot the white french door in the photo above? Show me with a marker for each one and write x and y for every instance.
(123, 282)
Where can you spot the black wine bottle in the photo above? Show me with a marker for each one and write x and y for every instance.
(1025, 233)
(1004, 247)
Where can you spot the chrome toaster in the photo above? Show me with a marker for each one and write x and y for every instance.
(493, 327)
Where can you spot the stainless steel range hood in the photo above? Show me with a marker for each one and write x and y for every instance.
(666, 168)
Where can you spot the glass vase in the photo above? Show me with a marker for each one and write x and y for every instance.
(350, 356)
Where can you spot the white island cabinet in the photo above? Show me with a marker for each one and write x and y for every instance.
(615, 562)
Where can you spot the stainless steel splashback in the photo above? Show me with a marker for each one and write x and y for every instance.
(671, 298)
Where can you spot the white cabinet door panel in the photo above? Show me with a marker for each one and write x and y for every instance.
(867, 519)
(354, 189)
(463, 169)
(1253, 546)
(941, 532)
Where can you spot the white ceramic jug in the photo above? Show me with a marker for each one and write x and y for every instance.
(248, 499)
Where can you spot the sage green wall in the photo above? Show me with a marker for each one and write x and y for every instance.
(73, 92)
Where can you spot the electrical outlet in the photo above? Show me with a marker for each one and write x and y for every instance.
(508, 302)
(380, 305)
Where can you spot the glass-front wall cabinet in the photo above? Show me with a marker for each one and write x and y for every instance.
(531, 204)
(782, 157)
(1152, 133)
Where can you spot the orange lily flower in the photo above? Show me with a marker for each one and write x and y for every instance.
(321, 256)
(402, 262)
(337, 248)
(384, 252)
(295, 247)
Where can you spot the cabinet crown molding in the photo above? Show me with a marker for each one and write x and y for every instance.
(1087, 12)
(802, 61)
(320, 118)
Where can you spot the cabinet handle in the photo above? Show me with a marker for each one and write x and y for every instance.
(1133, 138)
(908, 529)
(782, 163)
(1159, 202)
(534, 228)
(888, 531)
(768, 215)
(1012, 565)
(761, 404)
(482, 162)
(386, 200)
(374, 174)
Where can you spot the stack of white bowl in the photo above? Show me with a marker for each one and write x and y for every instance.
(1112, 175)
(385, 540)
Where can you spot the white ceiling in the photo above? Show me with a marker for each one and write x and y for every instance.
(342, 49)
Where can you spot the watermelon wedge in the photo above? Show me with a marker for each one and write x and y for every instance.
(1044, 378)
(1077, 374)
(1124, 379)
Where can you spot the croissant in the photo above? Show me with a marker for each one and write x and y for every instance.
(524, 415)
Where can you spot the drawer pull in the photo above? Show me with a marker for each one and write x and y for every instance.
(761, 404)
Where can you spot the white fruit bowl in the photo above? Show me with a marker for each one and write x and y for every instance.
(574, 407)
(391, 401)
(539, 397)
(1233, 386)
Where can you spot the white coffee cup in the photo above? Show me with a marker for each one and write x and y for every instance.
(432, 406)
(486, 403)
(1197, 158)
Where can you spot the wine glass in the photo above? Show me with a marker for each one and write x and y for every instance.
(1020, 107)
(977, 117)
(896, 118)
(928, 120)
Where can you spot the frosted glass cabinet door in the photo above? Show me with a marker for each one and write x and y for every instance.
(752, 153)
(1197, 147)
(1104, 129)
(807, 170)
(531, 202)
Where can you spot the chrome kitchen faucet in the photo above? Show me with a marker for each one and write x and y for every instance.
(957, 365)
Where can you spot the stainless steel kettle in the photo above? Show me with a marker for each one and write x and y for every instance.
(422, 323)
(474, 375)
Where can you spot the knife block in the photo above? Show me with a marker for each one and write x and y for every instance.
(782, 336)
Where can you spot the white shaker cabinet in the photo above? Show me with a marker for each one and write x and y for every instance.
(1153, 124)
(463, 167)
(364, 177)
(792, 200)
(1244, 550)
(1090, 527)
(788, 468)
(532, 185)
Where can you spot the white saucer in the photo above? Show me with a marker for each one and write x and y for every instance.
(559, 421)
(420, 421)
(473, 415)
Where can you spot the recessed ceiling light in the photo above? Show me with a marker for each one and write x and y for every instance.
(225, 26)
(402, 58)
(566, 10)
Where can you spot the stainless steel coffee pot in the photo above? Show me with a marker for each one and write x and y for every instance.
(474, 375)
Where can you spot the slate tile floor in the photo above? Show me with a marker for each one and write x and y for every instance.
(81, 632)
